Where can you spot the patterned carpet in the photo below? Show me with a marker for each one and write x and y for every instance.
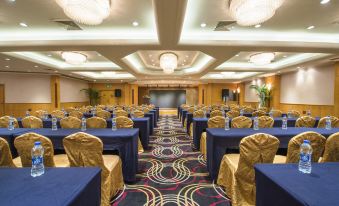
(170, 173)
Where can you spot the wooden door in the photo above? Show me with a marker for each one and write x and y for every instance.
(107, 97)
(2, 100)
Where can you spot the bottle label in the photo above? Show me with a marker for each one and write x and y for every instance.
(37, 160)
(305, 157)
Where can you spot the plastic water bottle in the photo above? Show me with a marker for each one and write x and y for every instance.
(241, 112)
(308, 112)
(83, 124)
(284, 123)
(223, 113)
(45, 115)
(27, 113)
(114, 124)
(227, 123)
(289, 115)
(54, 124)
(256, 123)
(93, 112)
(305, 157)
(328, 124)
(37, 160)
(10, 123)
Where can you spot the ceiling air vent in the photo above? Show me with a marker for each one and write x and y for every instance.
(223, 25)
(67, 24)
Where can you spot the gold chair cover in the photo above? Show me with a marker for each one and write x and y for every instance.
(32, 122)
(248, 109)
(24, 144)
(295, 113)
(263, 109)
(317, 142)
(4, 122)
(276, 113)
(232, 113)
(214, 122)
(70, 123)
(258, 113)
(215, 113)
(334, 122)
(104, 114)
(265, 122)
(96, 123)
(39, 114)
(305, 121)
(121, 113)
(138, 114)
(241, 122)
(70, 109)
(331, 153)
(146, 110)
(190, 110)
(76, 114)
(6, 159)
(196, 114)
(236, 173)
(58, 114)
(85, 150)
(82, 110)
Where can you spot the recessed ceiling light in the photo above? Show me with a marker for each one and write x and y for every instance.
(7, 66)
(152, 60)
(56, 71)
(325, 1)
(11, 0)
(237, 55)
(28, 70)
(7, 59)
(150, 55)
(99, 55)
(203, 25)
(135, 23)
(284, 56)
(310, 27)
(36, 66)
(183, 64)
(298, 67)
(153, 64)
(257, 26)
(23, 24)
(49, 55)
(184, 60)
(121, 80)
(186, 56)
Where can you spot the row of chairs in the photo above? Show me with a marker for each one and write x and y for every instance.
(236, 173)
(82, 150)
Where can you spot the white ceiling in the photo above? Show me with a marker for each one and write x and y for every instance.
(204, 55)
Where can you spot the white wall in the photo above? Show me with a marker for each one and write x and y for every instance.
(314, 86)
(70, 90)
(250, 94)
(26, 88)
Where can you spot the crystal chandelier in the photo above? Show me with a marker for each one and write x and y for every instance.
(89, 12)
(253, 12)
(74, 58)
(168, 62)
(262, 58)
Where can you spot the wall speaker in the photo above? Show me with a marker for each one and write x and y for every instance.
(117, 92)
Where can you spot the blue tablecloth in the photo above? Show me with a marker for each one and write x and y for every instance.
(152, 121)
(200, 125)
(283, 184)
(183, 116)
(179, 112)
(218, 140)
(125, 141)
(155, 117)
(158, 112)
(58, 186)
(8, 135)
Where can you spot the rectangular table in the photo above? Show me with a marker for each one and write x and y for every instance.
(183, 116)
(125, 141)
(8, 135)
(152, 121)
(200, 125)
(218, 140)
(283, 184)
(58, 186)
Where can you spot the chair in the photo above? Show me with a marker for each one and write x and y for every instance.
(104, 114)
(76, 114)
(24, 144)
(70, 109)
(334, 122)
(293, 151)
(214, 122)
(264, 109)
(5, 120)
(233, 114)
(236, 173)
(70, 123)
(39, 113)
(6, 159)
(258, 113)
(121, 113)
(138, 114)
(146, 110)
(196, 114)
(276, 113)
(216, 113)
(305, 121)
(82, 110)
(331, 153)
(295, 113)
(96, 123)
(265, 122)
(248, 109)
(241, 122)
(31, 122)
(85, 150)
(58, 114)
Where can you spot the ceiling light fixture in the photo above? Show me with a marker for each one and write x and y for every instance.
(262, 58)
(168, 62)
(74, 58)
(257, 26)
(310, 27)
(325, 1)
(89, 12)
(23, 24)
(36, 66)
(203, 25)
(250, 13)
(7, 59)
(135, 23)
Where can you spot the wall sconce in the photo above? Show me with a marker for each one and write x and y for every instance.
(269, 86)
(238, 90)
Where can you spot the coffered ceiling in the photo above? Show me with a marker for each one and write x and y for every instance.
(128, 44)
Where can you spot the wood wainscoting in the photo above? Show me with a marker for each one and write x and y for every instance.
(19, 109)
(73, 104)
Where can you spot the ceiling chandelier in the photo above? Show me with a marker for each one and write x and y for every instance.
(253, 12)
(74, 58)
(168, 62)
(262, 58)
(89, 12)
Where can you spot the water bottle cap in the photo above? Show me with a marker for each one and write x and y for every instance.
(307, 141)
(37, 143)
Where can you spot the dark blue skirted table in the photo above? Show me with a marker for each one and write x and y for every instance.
(152, 121)
(283, 184)
(156, 118)
(219, 140)
(183, 116)
(58, 186)
(8, 135)
(179, 112)
(125, 141)
(200, 125)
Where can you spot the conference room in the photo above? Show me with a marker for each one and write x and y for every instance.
(169, 102)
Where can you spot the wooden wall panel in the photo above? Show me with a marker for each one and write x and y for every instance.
(19, 109)
(73, 104)
(108, 91)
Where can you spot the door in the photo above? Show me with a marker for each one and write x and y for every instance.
(107, 97)
(2, 100)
